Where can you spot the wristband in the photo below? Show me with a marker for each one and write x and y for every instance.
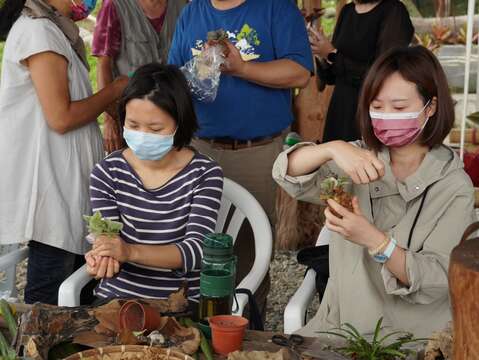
(386, 255)
(376, 250)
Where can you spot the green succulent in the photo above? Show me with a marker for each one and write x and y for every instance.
(331, 183)
(98, 225)
(216, 35)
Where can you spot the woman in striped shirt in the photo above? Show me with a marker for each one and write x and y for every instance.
(165, 193)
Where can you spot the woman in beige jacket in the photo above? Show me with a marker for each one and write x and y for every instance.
(412, 201)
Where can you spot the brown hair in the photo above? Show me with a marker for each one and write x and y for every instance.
(419, 66)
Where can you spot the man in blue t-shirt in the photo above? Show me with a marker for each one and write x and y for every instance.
(269, 54)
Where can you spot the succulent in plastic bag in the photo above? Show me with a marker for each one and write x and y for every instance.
(203, 72)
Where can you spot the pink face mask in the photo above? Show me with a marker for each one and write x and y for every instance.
(397, 129)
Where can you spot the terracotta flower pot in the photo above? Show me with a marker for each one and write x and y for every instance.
(227, 332)
(135, 316)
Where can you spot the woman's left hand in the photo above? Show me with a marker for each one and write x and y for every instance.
(353, 226)
(113, 247)
(320, 45)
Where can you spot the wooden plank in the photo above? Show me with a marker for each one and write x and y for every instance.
(261, 341)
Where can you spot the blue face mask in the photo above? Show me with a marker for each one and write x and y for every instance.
(148, 146)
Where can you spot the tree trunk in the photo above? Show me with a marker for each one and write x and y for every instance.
(464, 288)
(299, 223)
(424, 25)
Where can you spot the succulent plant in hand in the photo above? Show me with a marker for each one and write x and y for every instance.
(333, 188)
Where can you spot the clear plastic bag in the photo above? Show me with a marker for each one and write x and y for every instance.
(203, 73)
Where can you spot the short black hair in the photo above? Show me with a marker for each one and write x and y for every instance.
(167, 88)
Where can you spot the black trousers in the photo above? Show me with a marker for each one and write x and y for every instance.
(48, 267)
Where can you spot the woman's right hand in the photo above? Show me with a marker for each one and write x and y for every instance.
(112, 138)
(361, 165)
(101, 266)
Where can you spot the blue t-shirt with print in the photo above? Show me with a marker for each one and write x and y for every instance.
(263, 30)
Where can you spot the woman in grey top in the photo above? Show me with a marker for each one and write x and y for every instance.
(412, 201)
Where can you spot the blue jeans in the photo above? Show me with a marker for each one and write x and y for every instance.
(47, 268)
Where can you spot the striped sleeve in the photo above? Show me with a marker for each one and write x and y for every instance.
(202, 219)
(102, 192)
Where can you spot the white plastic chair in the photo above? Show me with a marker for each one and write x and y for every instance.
(295, 311)
(245, 207)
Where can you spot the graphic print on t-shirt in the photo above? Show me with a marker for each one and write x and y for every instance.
(246, 40)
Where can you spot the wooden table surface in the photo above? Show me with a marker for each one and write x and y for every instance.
(261, 341)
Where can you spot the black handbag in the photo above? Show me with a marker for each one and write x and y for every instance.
(316, 258)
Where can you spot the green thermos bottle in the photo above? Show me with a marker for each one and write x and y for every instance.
(218, 276)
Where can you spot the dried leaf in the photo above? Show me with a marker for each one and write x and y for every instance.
(186, 339)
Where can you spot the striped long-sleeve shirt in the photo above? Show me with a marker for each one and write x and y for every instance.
(180, 212)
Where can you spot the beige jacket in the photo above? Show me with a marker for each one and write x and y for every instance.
(359, 290)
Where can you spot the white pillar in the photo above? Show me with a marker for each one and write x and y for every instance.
(470, 26)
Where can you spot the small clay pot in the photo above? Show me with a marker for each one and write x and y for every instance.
(135, 316)
(227, 332)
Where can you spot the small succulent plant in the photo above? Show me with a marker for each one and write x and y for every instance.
(334, 188)
(387, 347)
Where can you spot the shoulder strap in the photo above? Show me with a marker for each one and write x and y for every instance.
(417, 216)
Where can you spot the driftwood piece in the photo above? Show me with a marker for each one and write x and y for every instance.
(464, 289)
(45, 326)
(440, 345)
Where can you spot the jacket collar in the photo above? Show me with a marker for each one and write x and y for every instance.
(437, 163)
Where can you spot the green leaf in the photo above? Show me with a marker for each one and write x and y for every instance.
(381, 341)
(377, 330)
(395, 353)
(353, 329)
(97, 225)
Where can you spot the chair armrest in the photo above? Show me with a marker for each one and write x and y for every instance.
(252, 281)
(242, 302)
(295, 311)
(70, 289)
(13, 258)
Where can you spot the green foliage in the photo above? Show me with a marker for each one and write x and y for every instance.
(6, 352)
(330, 184)
(97, 225)
(378, 348)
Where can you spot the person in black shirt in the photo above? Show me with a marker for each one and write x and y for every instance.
(364, 30)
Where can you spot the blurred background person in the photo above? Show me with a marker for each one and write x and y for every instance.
(129, 34)
(49, 137)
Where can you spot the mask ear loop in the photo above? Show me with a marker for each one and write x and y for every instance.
(423, 125)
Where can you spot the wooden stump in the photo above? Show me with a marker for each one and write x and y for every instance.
(464, 288)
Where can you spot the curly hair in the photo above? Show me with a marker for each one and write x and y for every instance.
(10, 11)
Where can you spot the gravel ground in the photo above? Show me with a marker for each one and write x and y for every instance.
(286, 277)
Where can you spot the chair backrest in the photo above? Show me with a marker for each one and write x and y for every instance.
(238, 205)
(324, 237)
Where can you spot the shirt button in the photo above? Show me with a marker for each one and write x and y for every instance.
(417, 187)
(376, 189)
